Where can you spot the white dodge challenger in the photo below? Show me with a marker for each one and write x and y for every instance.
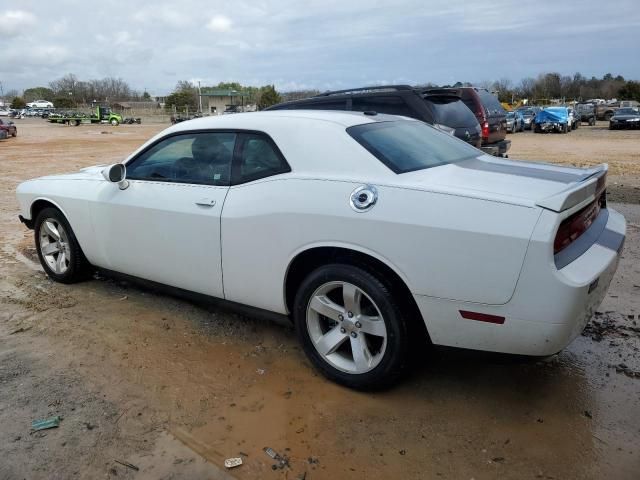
(368, 231)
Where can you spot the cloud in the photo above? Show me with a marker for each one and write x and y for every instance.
(24, 57)
(220, 23)
(326, 44)
(13, 22)
(166, 16)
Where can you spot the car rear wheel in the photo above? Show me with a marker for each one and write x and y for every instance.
(58, 249)
(351, 328)
(114, 122)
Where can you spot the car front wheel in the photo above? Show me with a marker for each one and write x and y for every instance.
(351, 327)
(58, 249)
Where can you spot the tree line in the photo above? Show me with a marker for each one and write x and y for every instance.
(69, 91)
(553, 85)
(185, 94)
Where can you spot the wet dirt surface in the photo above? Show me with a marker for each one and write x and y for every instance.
(173, 387)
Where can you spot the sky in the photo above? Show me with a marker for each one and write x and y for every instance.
(331, 44)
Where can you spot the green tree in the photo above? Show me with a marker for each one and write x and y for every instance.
(146, 96)
(63, 102)
(38, 93)
(630, 91)
(268, 96)
(18, 102)
(180, 100)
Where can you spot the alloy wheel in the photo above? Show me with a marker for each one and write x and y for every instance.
(54, 245)
(346, 327)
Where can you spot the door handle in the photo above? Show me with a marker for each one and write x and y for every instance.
(206, 202)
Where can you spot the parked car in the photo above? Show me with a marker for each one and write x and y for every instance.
(445, 110)
(625, 118)
(552, 119)
(490, 114)
(40, 104)
(528, 113)
(586, 112)
(4, 112)
(451, 115)
(9, 127)
(604, 111)
(515, 122)
(369, 231)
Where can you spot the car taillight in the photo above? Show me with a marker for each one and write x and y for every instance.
(485, 129)
(575, 225)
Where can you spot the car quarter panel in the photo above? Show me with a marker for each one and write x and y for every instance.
(442, 245)
(550, 306)
(71, 197)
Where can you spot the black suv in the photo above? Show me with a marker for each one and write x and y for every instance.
(445, 110)
(490, 114)
(586, 112)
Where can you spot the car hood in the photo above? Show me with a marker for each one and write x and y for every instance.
(491, 178)
(88, 173)
(624, 117)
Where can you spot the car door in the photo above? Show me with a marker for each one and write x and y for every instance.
(252, 223)
(165, 226)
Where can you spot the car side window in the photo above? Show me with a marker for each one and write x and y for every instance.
(257, 157)
(201, 158)
(392, 104)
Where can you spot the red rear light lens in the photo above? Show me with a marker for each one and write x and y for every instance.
(485, 130)
(575, 225)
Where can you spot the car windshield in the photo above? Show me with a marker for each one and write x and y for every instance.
(627, 111)
(405, 146)
(510, 114)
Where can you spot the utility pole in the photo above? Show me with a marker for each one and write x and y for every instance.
(199, 98)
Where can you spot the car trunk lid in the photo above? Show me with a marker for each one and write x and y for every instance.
(548, 186)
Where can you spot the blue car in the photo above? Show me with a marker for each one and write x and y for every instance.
(515, 122)
(552, 119)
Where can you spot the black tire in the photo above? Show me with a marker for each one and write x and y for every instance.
(15, 133)
(79, 268)
(394, 360)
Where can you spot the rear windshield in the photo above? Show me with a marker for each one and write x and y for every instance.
(405, 146)
(452, 112)
(489, 101)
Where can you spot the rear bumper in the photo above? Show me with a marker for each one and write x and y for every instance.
(497, 149)
(550, 307)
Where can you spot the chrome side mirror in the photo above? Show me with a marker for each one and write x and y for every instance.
(116, 173)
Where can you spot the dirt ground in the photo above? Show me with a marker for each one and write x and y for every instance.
(173, 388)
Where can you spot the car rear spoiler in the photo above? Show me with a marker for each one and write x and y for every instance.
(590, 186)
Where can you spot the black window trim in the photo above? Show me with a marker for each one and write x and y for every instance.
(235, 159)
